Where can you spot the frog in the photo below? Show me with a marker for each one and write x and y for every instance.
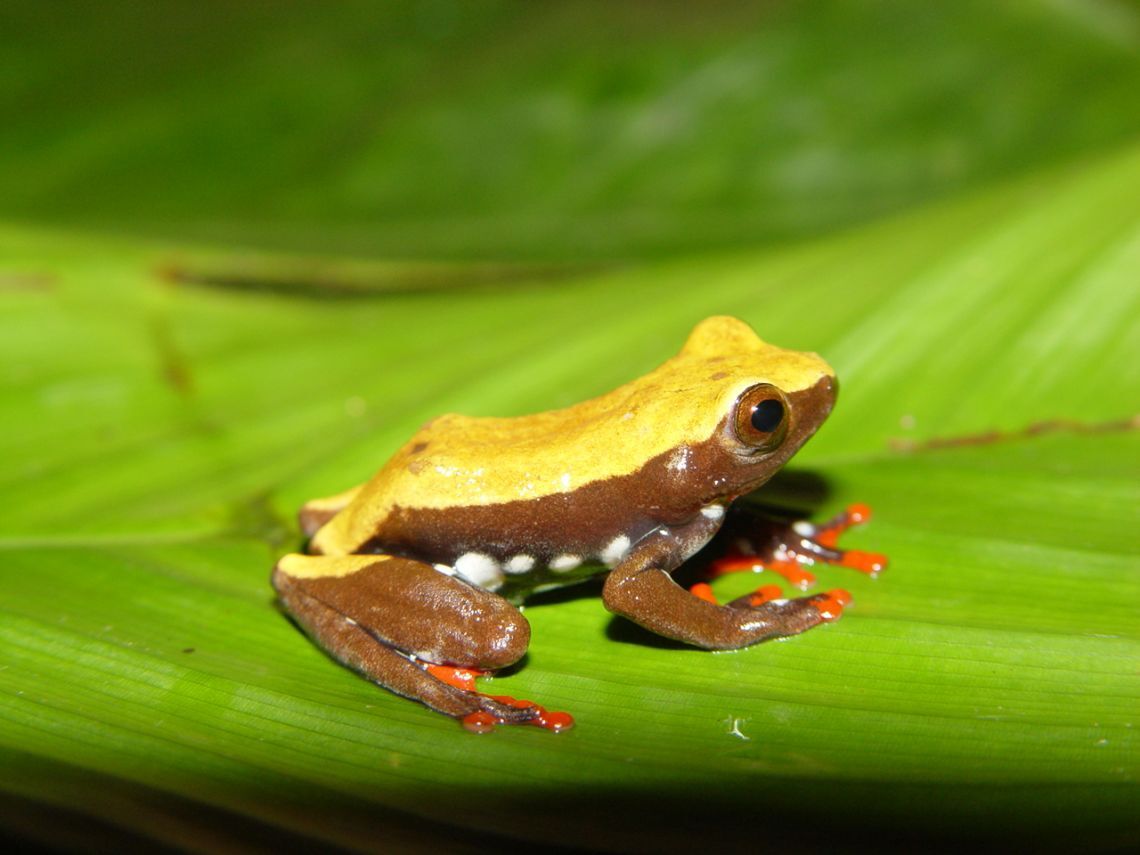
(417, 578)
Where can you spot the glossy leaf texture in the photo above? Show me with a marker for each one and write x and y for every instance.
(942, 203)
(158, 438)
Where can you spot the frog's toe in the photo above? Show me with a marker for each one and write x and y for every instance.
(821, 542)
(792, 616)
(763, 594)
(830, 605)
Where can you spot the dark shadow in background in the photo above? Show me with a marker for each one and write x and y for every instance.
(275, 814)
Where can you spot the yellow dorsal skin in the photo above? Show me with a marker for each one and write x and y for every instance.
(458, 461)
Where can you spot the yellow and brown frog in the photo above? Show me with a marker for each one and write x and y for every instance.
(413, 578)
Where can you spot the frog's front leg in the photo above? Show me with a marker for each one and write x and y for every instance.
(642, 589)
(404, 625)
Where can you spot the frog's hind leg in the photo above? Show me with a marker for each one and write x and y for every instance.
(316, 512)
(762, 542)
(393, 619)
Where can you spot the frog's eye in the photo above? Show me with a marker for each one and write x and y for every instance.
(761, 417)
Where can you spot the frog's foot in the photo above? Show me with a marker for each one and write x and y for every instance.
(503, 709)
(498, 709)
(829, 605)
(822, 541)
(788, 548)
(791, 570)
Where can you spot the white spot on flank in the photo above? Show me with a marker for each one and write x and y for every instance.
(803, 528)
(779, 602)
(479, 569)
(615, 551)
(679, 459)
(562, 563)
(519, 564)
(712, 512)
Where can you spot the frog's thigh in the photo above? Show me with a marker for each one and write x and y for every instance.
(406, 605)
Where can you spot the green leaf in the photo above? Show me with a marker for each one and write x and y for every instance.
(166, 406)
(159, 435)
(492, 129)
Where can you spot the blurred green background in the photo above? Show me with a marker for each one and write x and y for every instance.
(246, 248)
(565, 130)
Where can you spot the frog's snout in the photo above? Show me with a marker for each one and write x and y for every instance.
(831, 384)
(812, 407)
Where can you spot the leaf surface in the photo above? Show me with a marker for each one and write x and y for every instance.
(158, 437)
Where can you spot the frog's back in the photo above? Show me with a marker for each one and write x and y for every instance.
(458, 461)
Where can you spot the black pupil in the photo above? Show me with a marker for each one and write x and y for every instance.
(767, 415)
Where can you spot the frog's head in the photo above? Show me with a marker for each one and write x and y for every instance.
(760, 404)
